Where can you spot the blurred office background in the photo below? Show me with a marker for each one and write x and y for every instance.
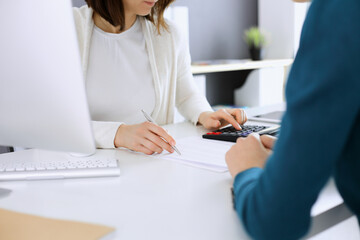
(216, 27)
(215, 31)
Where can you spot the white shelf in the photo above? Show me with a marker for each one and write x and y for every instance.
(236, 65)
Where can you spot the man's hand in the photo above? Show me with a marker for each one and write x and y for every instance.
(268, 141)
(249, 152)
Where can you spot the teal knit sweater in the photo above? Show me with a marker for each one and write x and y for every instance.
(320, 132)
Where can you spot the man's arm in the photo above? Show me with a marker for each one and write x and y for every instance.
(275, 203)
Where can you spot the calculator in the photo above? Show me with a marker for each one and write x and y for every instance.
(230, 134)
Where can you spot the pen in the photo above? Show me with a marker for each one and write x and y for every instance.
(149, 118)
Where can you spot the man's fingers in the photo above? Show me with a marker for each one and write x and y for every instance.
(268, 141)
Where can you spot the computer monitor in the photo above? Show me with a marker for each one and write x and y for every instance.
(42, 94)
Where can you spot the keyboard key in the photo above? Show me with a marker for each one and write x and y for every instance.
(112, 164)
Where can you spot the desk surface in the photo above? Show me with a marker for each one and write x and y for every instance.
(239, 65)
(152, 199)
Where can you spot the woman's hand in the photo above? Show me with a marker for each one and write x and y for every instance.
(145, 137)
(249, 152)
(222, 117)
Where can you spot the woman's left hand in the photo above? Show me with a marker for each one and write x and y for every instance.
(223, 117)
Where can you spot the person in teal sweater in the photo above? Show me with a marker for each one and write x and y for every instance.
(277, 183)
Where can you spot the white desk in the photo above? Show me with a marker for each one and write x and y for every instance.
(152, 199)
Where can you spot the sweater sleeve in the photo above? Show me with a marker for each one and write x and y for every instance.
(189, 101)
(104, 133)
(323, 101)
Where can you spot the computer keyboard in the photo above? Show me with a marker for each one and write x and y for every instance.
(230, 134)
(57, 169)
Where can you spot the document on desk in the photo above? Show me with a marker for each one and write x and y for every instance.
(199, 152)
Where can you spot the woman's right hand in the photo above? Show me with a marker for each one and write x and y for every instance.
(145, 137)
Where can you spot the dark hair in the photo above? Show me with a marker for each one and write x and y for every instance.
(113, 12)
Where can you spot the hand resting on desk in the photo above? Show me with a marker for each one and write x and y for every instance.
(249, 152)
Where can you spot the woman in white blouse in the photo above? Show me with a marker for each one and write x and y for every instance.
(133, 59)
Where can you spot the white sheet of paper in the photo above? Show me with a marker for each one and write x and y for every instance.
(199, 152)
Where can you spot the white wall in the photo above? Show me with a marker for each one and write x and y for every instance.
(179, 15)
(216, 28)
(281, 21)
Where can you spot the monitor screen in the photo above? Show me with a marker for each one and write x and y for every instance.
(42, 94)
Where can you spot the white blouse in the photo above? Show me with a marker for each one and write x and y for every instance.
(170, 65)
(119, 80)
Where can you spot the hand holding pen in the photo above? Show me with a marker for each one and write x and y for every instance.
(145, 137)
(149, 118)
